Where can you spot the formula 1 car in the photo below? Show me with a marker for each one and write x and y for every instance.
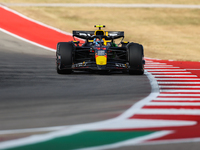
(99, 53)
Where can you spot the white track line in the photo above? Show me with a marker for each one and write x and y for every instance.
(166, 70)
(32, 20)
(156, 66)
(175, 75)
(170, 111)
(141, 103)
(162, 67)
(161, 86)
(177, 79)
(35, 21)
(45, 129)
(179, 90)
(179, 94)
(185, 140)
(131, 142)
(172, 104)
(178, 82)
(23, 39)
(171, 72)
(179, 86)
(117, 122)
(153, 63)
(192, 69)
(176, 99)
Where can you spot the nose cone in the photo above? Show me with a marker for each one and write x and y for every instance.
(101, 60)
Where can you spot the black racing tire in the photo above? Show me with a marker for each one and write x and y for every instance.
(64, 50)
(135, 58)
(65, 71)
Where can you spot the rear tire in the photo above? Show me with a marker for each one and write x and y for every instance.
(64, 57)
(135, 58)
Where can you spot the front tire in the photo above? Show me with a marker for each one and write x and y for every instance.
(64, 57)
(135, 58)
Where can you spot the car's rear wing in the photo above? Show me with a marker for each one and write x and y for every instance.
(90, 34)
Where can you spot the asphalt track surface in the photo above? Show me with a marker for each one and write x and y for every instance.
(33, 95)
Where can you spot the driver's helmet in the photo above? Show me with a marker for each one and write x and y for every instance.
(97, 41)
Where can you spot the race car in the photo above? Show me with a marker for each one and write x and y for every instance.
(99, 53)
